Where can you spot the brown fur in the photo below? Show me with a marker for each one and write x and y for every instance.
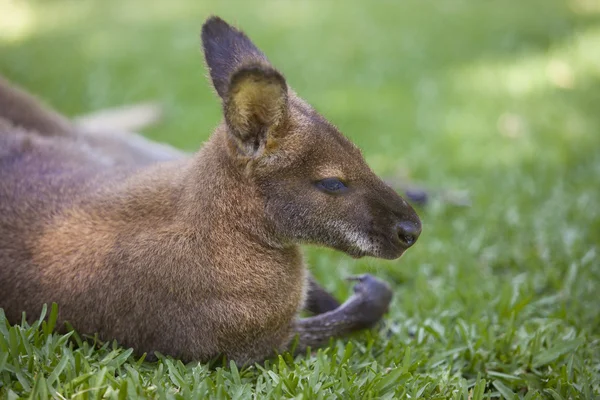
(196, 256)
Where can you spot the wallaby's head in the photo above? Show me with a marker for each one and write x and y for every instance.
(317, 188)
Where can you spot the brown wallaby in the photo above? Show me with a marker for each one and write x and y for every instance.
(196, 256)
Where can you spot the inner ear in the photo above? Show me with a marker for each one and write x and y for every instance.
(255, 106)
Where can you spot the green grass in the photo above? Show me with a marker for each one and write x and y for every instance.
(499, 98)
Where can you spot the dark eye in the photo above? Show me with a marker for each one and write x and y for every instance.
(332, 185)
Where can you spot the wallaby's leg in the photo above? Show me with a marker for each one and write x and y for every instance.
(318, 300)
(130, 118)
(362, 310)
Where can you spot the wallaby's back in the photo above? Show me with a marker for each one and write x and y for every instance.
(24, 110)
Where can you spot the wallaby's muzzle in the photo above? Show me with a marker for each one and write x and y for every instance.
(394, 224)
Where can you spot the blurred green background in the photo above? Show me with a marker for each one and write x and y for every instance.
(500, 98)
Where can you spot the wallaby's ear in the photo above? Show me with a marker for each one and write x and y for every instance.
(255, 95)
(225, 50)
(255, 106)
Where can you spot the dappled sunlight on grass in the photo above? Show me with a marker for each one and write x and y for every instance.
(562, 66)
(585, 6)
(35, 18)
(16, 21)
(520, 110)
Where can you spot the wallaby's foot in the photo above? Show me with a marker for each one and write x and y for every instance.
(417, 196)
(422, 196)
(362, 310)
(318, 300)
(373, 298)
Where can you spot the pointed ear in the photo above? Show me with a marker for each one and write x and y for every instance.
(255, 107)
(225, 50)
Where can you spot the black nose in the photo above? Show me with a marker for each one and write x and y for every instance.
(408, 232)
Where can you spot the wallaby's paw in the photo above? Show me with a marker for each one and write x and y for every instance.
(372, 296)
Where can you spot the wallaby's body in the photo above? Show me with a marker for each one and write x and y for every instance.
(197, 256)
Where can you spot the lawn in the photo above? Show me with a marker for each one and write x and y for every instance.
(501, 99)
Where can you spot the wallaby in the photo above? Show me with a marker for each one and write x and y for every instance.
(196, 256)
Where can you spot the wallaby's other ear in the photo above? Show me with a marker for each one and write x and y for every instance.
(255, 106)
(225, 50)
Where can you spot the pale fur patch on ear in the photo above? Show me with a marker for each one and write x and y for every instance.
(256, 106)
(256, 102)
